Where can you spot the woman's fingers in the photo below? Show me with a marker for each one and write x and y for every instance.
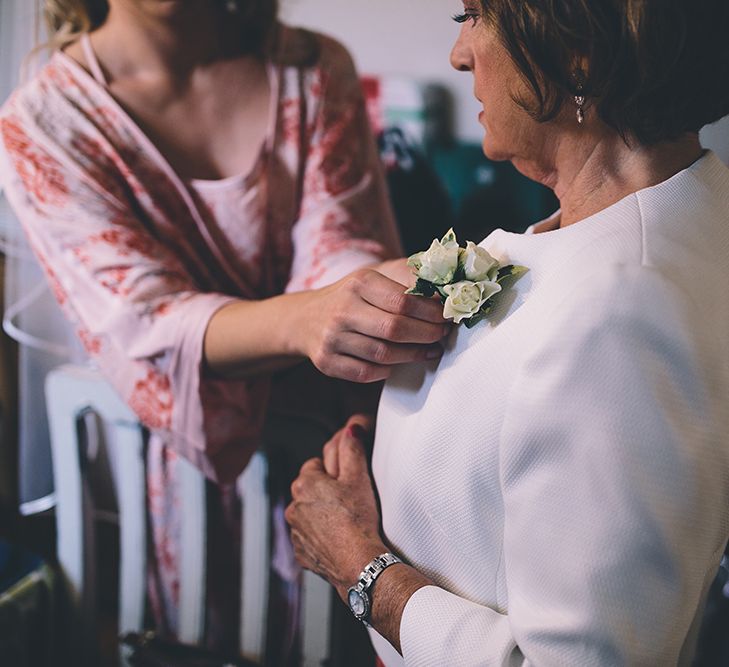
(361, 425)
(312, 465)
(382, 352)
(366, 324)
(376, 323)
(353, 370)
(370, 341)
(330, 515)
(389, 296)
(352, 456)
(330, 455)
(364, 360)
(308, 470)
(367, 422)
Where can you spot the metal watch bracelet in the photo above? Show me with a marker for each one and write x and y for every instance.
(358, 595)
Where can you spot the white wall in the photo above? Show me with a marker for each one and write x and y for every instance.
(414, 38)
(17, 22)
(397, 37)
(716, 137)
(17, 27)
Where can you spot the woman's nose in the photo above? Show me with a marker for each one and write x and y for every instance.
(461, 53)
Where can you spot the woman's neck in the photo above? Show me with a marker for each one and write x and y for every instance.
(591, 176)
(173, 37)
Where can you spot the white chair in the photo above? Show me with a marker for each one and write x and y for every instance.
(71, 393)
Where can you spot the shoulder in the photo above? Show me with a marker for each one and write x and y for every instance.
(615, 316)
(624, 289)
(685, 227)
(333, 55)
(313, 53)
(53, 80)
(634, 292)
(300, 47)
(48, 105)
(620, 354)
(317, 75)
(26, 119)
(59, 135)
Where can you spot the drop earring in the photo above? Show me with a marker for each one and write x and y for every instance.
(580, 96)
(580, 102)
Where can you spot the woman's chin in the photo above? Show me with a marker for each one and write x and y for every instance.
(492, 150)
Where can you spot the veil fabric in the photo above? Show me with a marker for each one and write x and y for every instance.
(45, 340)
(32, 316)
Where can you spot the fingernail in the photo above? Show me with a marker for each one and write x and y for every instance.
(434, 352)
(357, 432)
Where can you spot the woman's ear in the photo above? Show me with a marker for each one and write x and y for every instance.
(580, 74)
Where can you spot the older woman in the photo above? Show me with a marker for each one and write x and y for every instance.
(557, 486)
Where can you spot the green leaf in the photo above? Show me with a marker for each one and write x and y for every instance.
(480, 315)
(422, 288)
(509, 271)
(504, 272)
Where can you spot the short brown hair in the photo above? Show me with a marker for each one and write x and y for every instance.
(656, 69)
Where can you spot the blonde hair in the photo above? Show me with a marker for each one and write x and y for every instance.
(66, 20)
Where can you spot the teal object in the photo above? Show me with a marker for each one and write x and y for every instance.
(461, 168)
(487, 195)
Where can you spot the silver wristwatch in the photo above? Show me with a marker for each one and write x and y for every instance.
(358, 595)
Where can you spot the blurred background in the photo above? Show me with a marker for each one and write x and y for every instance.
(427, 120)
(407, 44)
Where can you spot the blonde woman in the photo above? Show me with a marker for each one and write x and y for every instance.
(199, 184)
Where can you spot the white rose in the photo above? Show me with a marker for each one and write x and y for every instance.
(438, 264)
(466, 298)
(477, 263)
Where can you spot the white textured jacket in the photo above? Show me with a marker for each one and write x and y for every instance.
(562, 474)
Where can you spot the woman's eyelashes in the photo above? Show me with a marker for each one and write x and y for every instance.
(468, 15)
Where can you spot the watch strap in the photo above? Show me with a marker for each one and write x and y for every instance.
(361, 589)
(374, 569)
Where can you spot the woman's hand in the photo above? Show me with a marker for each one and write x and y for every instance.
(363, 428)
(356, 329)
(361, 326)
(397, 270)
(335, 523)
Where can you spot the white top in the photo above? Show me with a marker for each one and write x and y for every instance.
(562, 474)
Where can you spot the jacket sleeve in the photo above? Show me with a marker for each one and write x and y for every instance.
(130, 299)
(614, 478)
(345, 219)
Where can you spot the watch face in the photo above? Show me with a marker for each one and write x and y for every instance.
(357, 603)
